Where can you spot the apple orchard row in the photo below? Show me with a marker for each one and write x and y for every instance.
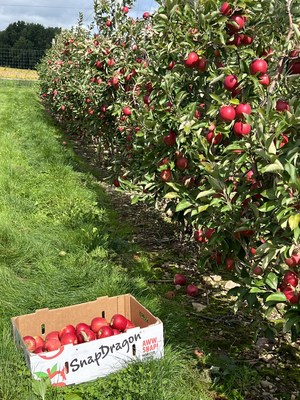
(198, 107)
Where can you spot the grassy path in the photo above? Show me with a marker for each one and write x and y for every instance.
(57, 246)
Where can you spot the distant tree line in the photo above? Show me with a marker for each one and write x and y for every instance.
(23, 44)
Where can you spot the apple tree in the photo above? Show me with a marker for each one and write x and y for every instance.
(197, 106)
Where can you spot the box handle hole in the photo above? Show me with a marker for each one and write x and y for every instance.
(43, 329)
(143, 316)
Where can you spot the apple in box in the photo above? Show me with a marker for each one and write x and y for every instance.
(132, 333)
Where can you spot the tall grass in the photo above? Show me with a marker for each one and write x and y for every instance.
(57, 231)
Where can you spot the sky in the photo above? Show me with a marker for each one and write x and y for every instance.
(57, 13)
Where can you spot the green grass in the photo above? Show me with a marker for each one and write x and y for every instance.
(61, 244)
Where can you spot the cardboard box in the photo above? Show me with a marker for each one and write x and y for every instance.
(73, 364)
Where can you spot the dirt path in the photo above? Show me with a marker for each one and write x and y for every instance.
(277, 361)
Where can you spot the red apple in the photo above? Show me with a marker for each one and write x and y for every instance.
(282, 105)
(192, 60)
(258, 66)
(291, 295)
(294, 67)
(170, 139)
(39, 349)
(179, 279)
(166, 175)
(209, 233)
(192, 290)
(214, 139)
(125, 9)
(202, 64)
(225, 9)
(291, 278)
(264, 80)
(126, 110)
(69, 338)
(146, 15)
(39, 341)
(247, 40)
(52, 344)
(243, 108)
(52, 335)
(118, 321)
(258, 270)
(229, 263)
(241, 129)
(86, 335)
(181, 163)
(284, 140)
(199, 236)
(67, 329)
(227, 113)
(231, 82)
(129, 325)
(171, 64)
(81, 326)
(236, 23)
(104, 332)
(97, 323)
(29, 342)
(110, 62)
(98, 64)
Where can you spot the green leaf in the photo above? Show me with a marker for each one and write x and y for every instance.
(183, 205)
(205, 193)
(73, 396)
(217, 185)
(203, 208)
(278, 297)
(276, 166)
(217, 98)
(174, 186)
(272, 280)
(294, 221)
(268, 206)
(291, 322)
(171, 195)
(256, 290)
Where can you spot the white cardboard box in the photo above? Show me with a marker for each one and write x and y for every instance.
(73, 364)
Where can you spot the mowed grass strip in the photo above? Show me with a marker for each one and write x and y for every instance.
(56, 235)
(16, 73)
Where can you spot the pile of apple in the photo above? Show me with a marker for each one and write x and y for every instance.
(99, 328)
(191, 289)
